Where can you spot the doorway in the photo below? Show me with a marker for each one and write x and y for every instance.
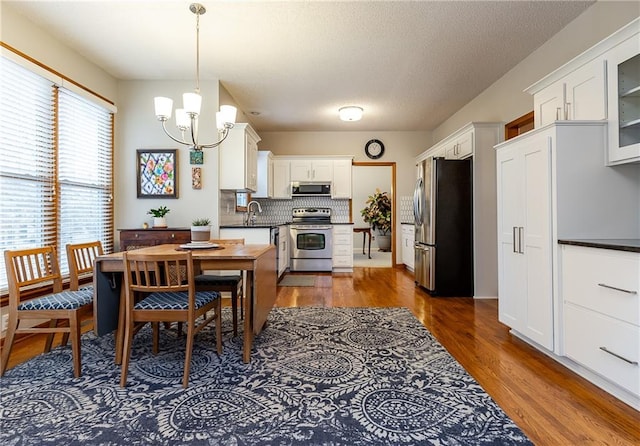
(366, 177)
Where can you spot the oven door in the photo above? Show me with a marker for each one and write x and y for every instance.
(310, 242)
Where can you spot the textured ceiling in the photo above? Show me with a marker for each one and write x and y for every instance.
(410, 65)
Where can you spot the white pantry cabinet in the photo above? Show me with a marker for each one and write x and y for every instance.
(238, 162)
(524, 238)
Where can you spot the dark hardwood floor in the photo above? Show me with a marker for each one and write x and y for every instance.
(551, 404)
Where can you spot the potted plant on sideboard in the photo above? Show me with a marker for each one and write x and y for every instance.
(159, 219)
(378, 215)
(200, 230)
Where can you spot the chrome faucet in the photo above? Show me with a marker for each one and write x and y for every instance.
(251, 215)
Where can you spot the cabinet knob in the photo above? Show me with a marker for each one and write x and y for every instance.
(137, 235)
(173, 236)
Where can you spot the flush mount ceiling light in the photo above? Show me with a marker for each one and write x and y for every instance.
(350, 113)
(187, 117)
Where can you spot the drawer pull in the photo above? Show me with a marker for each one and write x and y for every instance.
(137, 235)
(617, 289)
(606, 350)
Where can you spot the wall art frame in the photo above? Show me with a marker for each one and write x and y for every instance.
(157, 173)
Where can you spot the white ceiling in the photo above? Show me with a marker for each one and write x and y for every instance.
(409, 64)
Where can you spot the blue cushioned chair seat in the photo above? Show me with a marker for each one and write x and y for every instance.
(66, 300)
(208, 279)
(175, 301)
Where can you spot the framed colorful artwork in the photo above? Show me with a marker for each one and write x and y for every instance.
(157, 173)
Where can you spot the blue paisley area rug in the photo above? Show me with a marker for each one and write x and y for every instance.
(318, 376)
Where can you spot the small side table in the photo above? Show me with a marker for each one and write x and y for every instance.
(364, 231)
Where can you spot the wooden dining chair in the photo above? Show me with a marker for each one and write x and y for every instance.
(81, 258)
(231, 283)
(154, 294)
(38, 268)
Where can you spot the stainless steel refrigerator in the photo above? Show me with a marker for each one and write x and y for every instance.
(443, 213)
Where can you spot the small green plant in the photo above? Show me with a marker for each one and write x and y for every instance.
(201, 222)
(160, 212)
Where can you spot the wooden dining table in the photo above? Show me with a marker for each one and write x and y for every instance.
(259, 262)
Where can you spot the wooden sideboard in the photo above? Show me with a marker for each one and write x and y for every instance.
(139, 238)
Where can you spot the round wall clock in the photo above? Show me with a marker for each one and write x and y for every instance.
(374, 149)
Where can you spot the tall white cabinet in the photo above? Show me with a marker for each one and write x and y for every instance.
(524, 237)
(552, 184)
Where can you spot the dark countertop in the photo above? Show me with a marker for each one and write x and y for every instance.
(407, 223)
(256, 226)
(338, 223)
(629, 244)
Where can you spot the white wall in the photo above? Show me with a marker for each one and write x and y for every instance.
(138, 128)
(505, 100)
(25, 36)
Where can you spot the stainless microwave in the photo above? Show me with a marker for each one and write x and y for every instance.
(302, 189)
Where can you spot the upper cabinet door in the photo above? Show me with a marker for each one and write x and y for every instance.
(585, 91)
(623, 74)
(238, 168)
(548, 105)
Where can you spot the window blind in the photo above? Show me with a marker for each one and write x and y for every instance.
(55, 174)
(84, 173)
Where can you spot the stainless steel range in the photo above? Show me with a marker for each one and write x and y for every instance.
(311, 248)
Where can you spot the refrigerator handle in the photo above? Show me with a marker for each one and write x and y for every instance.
(513, 238)
(417, 202)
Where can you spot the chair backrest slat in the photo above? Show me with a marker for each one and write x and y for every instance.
(152, 273)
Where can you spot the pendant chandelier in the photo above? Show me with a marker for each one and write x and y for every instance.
(187, 117)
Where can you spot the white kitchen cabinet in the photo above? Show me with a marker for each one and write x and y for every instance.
(599, 289)
(552, 184)
(460, 147)
(342, 246)
(283, 249)
(580, 95)
(264, 187)
(341, 184)
(238, 162)
(524, 238)
(281, 178)
(311, 169)
(624, 101)
(408, 239)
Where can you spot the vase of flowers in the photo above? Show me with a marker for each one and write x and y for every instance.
(201, 230)
(378, 215)
(159, 219)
